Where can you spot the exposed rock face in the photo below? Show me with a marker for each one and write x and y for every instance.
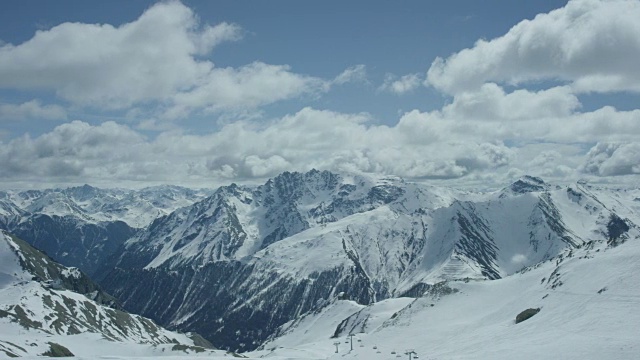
(54, 275)
(43, 298)
(616, 230)
(526, 314)
(73, 241)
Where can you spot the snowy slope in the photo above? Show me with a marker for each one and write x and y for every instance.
(36, 311)
(589, 302)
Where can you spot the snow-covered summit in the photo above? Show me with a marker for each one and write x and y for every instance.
(526, 184)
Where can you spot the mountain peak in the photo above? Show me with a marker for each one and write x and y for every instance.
(527, 184)
(82, 193)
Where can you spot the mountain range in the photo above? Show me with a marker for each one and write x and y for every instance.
(239, 263)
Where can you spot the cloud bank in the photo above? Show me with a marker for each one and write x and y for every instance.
(308, 139)
(513, 105)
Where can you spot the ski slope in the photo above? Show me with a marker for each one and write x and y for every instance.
(589, 302)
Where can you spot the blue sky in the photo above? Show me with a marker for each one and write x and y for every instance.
(198, 93)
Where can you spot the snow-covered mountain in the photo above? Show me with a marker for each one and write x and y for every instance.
(585, 301)
(137, 208)
(49, 309)
(82, 226)
(237, 265)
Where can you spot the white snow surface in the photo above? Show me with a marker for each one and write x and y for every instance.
(594, 314)
(10, 270)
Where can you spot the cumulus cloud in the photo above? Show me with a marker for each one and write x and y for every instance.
(553, 163)
(31, 110)
(593, 45)
(247, 87)
(159, 58)
(490, 102)
(613, 159)
(404, 84)
(70, 149)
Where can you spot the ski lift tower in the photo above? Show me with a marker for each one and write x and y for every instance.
(351, 340)
(411, 352)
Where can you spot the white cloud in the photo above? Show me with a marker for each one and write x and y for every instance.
(605, 124)
(247, 87)
(31, 110)
(420, 145)
(243, 149)
(89, 64)
(255, 166)
(70, 149)
(211, 36)
(545, 158)
(591, 44)
(613, 159)
(357, 73)
(405, 84)
(490, 102)
(160, 58)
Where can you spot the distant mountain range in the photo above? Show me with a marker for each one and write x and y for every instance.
(81, 226)
(237, 263)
